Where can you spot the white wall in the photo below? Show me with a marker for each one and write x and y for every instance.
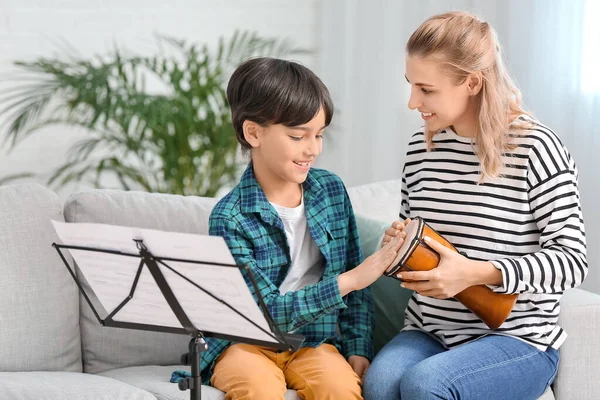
(358, 53)
(34, 28)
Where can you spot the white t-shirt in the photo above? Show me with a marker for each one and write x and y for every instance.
(308, 263)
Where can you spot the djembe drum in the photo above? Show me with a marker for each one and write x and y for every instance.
(415, 255)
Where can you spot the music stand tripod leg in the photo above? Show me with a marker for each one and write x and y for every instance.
(194, 382)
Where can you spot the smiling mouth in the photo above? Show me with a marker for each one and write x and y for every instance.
(302, 164)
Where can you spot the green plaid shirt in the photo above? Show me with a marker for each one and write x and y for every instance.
(256, 237)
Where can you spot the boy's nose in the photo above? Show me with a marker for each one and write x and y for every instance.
(313, 148)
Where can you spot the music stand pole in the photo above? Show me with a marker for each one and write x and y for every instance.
(193, 383)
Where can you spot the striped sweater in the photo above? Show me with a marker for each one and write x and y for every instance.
(528, 223)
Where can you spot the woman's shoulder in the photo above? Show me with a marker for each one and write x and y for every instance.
(417, 138)
(542, 145)
(536, 132)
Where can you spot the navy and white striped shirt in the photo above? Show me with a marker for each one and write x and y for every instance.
(528, 223)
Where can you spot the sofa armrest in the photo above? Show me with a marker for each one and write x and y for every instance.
(579, 365)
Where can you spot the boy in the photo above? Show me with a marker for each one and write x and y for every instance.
(293, 225)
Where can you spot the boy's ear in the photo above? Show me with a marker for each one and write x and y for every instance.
(474, 83)
(251, 132)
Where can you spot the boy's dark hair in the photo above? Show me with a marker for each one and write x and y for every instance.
(273, 91)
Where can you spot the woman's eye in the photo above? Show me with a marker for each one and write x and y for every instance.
(425, 90)
(296, 138)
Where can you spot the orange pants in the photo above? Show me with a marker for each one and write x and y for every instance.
(250, 372)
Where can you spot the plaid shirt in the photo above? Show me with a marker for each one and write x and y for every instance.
(256, 237)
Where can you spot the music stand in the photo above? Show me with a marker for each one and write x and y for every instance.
(272, 339)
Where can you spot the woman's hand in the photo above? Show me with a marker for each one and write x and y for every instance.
(395, 228)
(453, 274)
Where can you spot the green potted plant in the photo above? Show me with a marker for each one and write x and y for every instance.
(5, 180)
(175, 137)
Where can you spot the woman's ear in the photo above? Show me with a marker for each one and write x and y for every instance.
(474, 83)
(251, 133)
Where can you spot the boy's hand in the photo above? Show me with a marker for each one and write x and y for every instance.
(371, 268)
(395, 228)
(360, 365)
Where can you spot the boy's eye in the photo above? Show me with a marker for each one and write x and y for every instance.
(425, 90)
(298, 138)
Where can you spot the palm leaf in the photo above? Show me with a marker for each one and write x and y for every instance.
(5, 180)
(179, 140)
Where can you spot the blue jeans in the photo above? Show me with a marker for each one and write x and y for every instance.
(414, 366)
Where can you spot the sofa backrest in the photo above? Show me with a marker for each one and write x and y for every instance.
(39, 304)
(376, 205)
(109, 348)
(379, 201)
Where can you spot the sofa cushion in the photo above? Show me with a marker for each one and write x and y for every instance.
(577, 376)
(155, 379)
(39, 305)
(376, 205)
(547, 395)
(379, 201)
(66, 386)
(110, 348)
(389, 299)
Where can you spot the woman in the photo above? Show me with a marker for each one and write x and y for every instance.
(502, 188)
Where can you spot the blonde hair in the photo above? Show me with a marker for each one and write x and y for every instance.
(463, 44)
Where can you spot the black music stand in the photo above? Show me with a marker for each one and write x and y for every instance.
(197, 345)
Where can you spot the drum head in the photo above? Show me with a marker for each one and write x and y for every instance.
(412, 229)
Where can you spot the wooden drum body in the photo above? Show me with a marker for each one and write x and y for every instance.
(415, 255)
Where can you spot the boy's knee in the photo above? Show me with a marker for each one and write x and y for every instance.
(254, 386)
(255, 390)
(336, 382)
(335, 389)
(243, 372)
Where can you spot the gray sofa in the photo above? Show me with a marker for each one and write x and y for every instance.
(52, 347)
